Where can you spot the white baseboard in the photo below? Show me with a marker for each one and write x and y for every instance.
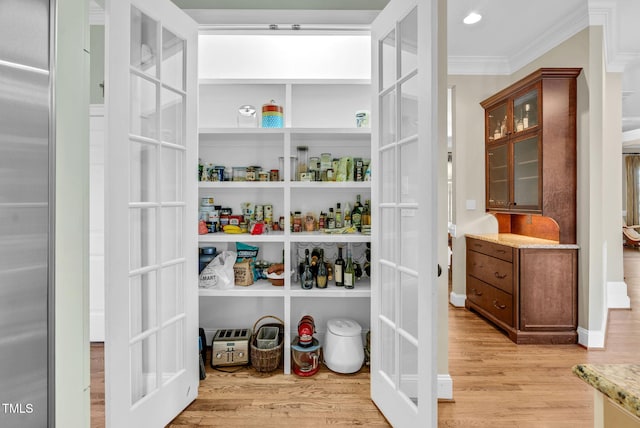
(445, 387)
(96, 326)
(457, 300)
(617, 297)
(591, 339)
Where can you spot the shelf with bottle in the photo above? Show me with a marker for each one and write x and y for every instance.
(340, 266)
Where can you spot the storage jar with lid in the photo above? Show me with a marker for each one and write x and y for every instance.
(272, 116)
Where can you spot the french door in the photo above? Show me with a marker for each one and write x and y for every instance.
(151, 345)
(404, 310)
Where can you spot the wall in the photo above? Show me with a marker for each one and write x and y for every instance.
(72, 216)
(598, 171)
(469, 169)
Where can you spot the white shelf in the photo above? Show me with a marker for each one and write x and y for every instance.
(364, 132)
(262, 288)
(362, 289)
(241, 237)
(242, 131)
(330, 185)
(241, 184)
(328, 237)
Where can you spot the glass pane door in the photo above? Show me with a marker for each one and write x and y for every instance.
(151, 349)
(402, 253)
(498, 176)
(526, 173)
(525, 111)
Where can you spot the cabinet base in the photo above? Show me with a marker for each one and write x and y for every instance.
(551, 337)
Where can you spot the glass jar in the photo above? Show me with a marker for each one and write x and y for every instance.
(303, 160)
(239, 173)
(247, 117)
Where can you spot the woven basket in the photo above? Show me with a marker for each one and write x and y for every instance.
(267, 360)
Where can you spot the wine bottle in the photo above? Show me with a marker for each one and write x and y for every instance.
(356, 214)
(338, 269)
(321, 276)
(366, 213)
(349, 272)
(306, 280)
(331, 220)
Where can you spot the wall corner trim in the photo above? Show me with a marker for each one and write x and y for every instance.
(591, 339)
(457, 300)
(445, 387)
(617, 296)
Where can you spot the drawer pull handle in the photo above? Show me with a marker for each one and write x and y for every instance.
(476, 292)
(498, 306)
(477, 245)
(497, 275)
(501, 251)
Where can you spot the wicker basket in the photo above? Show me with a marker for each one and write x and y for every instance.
(267, 360)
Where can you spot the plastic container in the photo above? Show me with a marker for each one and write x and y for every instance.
(267, 337)
(343, 347)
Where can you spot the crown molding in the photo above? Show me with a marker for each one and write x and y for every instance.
(563, 30)
(270, 16)
(631, 136)
(478, 65)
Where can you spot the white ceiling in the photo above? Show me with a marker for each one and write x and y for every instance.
(511, 33)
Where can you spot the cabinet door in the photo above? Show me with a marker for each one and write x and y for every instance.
(498, 177)
(525, 110)
(497, 122)
(526, 174)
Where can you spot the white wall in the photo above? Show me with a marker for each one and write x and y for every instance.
(72, 373)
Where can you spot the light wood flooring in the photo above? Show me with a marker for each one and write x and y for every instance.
(496, 383)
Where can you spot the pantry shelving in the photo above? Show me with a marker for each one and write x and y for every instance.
(321, 115)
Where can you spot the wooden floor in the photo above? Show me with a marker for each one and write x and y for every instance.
(496, 383)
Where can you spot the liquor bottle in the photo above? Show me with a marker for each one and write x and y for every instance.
(356, 214)
(339, 219)
(347, 215)
(331, 219)
(525, 118)
(306, 280)
(366, 213)
(322, 275)
(349, 272)
(338, 269)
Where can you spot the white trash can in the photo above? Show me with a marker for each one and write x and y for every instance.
(343, 349)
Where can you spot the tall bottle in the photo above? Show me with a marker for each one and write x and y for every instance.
(338, 269)
(356, 214)
(366, 213)
(339, 219)
(323, 274)
(347, 215)
(349, 272)
(331, 219)
(306, 280)
(525, 118)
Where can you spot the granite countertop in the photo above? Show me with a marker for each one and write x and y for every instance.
(521, 241)
(620, 382)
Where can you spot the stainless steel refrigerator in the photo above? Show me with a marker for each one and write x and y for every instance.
(26, 145)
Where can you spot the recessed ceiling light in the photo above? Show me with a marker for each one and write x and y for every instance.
(472, 18)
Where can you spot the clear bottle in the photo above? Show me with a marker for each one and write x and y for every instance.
(322, 274)
(303, 160)
(306, 279)
(347, 215)
(525, 118)
(338, 269)
(356, 214)
(349, 272)
(339, 219)
(331, 219)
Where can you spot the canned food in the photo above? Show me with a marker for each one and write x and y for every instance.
(274, 174)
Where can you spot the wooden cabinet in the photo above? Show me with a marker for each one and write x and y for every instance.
(529, 292)
(530, 141)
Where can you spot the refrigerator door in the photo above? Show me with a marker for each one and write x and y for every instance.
(24, 212)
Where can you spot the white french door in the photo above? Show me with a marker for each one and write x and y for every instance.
(151, 344)
(404, 310)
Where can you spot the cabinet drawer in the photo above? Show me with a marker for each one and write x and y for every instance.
(489, 248)
(491, 270)
(496, 302)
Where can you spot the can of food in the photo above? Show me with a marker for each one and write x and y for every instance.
(259, 213)
(206, 202)
(274, 174)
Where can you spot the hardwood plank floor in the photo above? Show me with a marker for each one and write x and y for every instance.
(496, 383)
